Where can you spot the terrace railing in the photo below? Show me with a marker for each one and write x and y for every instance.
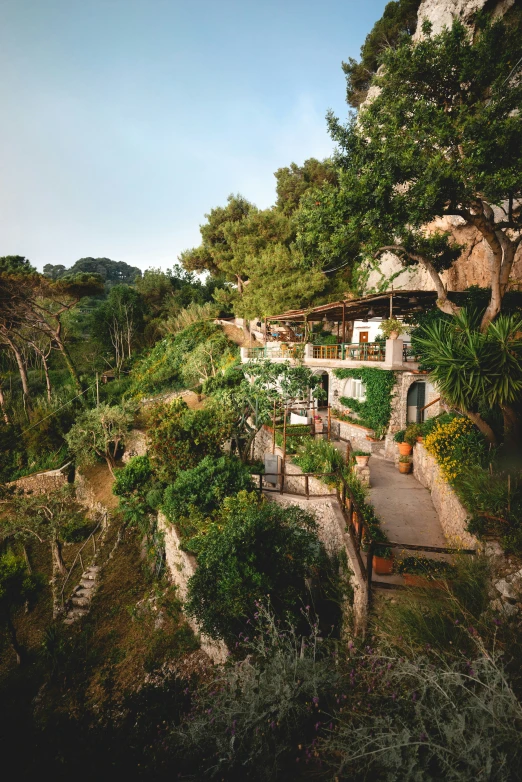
(282, 350)
(363, 351)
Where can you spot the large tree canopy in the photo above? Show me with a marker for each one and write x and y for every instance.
(111, 272)
(255, 249)
(442, 138)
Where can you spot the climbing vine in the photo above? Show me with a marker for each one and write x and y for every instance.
(375, 411)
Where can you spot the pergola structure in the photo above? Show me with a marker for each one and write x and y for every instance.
(397, 304)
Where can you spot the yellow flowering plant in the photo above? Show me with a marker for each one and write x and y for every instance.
(456, 445)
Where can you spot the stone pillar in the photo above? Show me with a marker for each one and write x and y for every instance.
(394, 348)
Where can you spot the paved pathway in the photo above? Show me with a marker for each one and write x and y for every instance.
(404, 506)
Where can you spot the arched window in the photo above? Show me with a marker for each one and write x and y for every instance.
(354, 389)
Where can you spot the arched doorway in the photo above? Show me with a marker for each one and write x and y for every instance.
(415, 402)
(325, 385)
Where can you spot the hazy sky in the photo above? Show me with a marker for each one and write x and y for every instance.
(124, 121)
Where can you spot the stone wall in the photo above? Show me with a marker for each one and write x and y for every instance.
(356, 434)
(331, 521)
(181, 567)
(41, 482)
(452, 514)
(135, 445)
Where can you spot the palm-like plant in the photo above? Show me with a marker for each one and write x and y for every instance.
(472, 368)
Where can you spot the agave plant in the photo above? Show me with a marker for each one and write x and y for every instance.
(472, 368)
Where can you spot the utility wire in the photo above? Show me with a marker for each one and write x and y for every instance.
(57, 409)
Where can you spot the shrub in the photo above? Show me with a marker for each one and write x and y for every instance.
(456, 446)
(253, 714)
(205, 486)
(134, 477)
(180, 438)
(399, 436)
(428, 719)
(319, 456)
(164, 365)
(253, 550)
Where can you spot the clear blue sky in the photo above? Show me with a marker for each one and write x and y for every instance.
(124, 121)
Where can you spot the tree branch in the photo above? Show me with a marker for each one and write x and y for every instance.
(443, 303)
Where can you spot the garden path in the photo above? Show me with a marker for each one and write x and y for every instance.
(404, 506)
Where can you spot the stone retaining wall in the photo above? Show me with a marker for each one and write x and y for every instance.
(452, 514)
(334, 536)
(135, 445)
(181, 567)
(356, 434)
(331, 521)
(40, 482)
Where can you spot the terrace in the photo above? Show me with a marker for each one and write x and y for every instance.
(290, 335)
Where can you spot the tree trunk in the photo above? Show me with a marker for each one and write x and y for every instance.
(14, 639)
(2, 405)
(511, 429)
(21, 366)
(70, 366)
(482, 426)
(110, 463)
(47, 378)
(58, 562)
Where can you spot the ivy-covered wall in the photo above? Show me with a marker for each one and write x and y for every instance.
(375, 411)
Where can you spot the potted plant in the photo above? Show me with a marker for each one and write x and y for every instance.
(405, 464)
(382, 561)
(392, 328)
(414, 431)
(361, 457)
(404, 448)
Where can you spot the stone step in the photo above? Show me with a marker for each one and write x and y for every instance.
(87, 583)
(74, 615)
(81, 602)
(81, 592)
(89, 576)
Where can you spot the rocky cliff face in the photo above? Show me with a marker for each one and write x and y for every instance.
(472, 266)
(441, 13)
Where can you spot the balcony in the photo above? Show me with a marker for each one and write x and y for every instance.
(395, 354)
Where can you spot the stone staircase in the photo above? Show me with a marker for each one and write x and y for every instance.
(79, 603)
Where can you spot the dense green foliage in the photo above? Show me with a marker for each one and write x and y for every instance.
(99, 433)
(179, 438)
(319, 456)
(399, 19)
(204, 487)
(254, 550)
(375, 411)
(476, 369)
(166, 365)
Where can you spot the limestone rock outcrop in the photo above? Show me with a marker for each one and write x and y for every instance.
(441, 13)
(471, 268)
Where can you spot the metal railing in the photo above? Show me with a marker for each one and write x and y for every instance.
(283, 350)
(78, 558)
(360, 533)
(362, 351)
(408, 354)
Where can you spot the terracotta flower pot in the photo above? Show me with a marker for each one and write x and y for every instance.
(405, 467)
(420, 439)
(412, 579)
(362, 461)
(405, 449)
(382, 566)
